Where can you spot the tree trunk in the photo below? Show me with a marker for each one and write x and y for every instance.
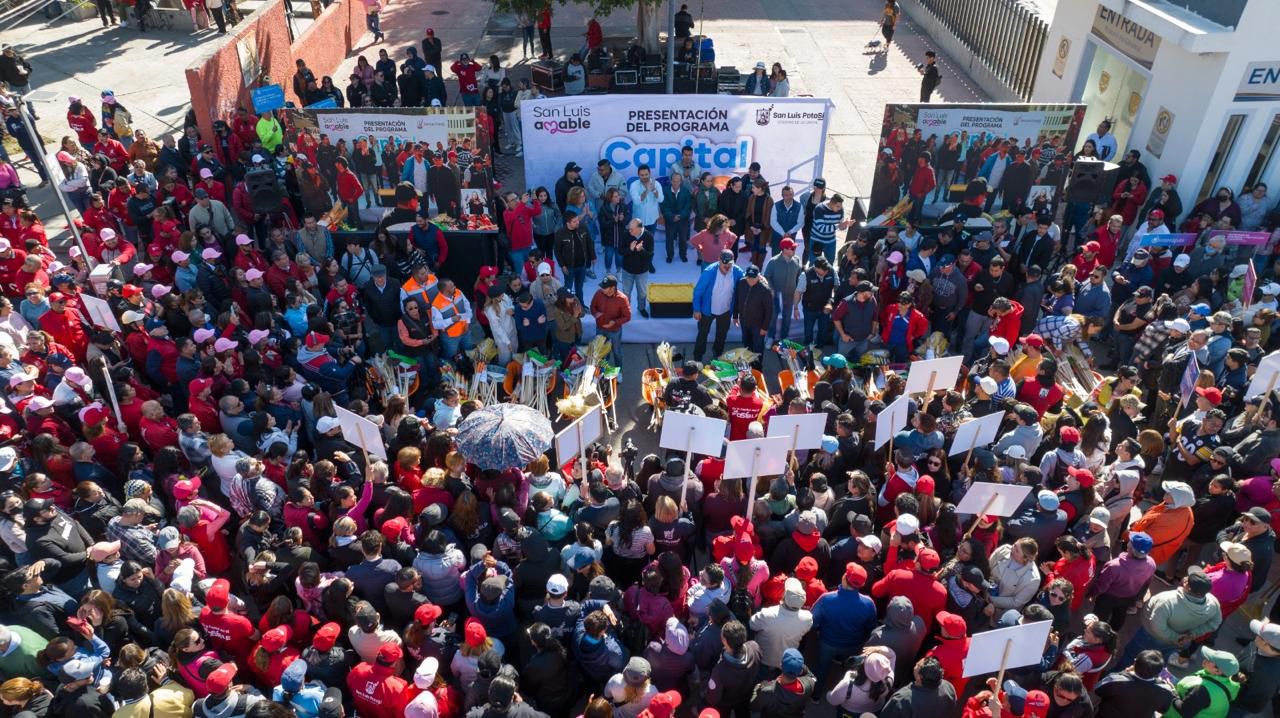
(648, 24)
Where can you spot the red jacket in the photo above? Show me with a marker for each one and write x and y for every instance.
(923, 181)
(928, 597)
(378, 692)
(1079, 572)
(51, 424)
(519, 222)
(106, 447)
(85, 125)
(1128, 207)
(68, 329)
(466, 73)
(349, 189)
(917, 325)
(951, 652)
(1109, 242)
(242, 204)
(159, 433)
(100, 218)
(227, 632)
(1009, 326)
(117, 155)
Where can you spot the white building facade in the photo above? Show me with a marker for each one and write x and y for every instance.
(1199, 99)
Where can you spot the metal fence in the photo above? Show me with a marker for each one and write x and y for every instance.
(1004, 35)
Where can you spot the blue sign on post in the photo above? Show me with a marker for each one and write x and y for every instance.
(267, 98)
(325, 103)
(1184, 239)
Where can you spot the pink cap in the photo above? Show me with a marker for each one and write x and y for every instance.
(203, 335)
(206, 173)
(74, 252)
(243, 239)
(142, 268)
(223, 344)
(253, 273)
(211, 254)
(258, 335)
(179, 256)
(107, 233)
(159, 291)
(895, 258)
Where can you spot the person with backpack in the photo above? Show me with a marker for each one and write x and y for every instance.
(225, 700)
(745, 575)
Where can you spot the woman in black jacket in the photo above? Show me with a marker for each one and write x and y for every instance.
(546, 679)
(139, 592)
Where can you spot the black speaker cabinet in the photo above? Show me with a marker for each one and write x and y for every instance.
(1092, 182)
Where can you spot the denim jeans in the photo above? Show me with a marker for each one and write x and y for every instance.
(1140, 642)
(371, 185)
(752, 340)
(827, 654)
(574, 279)
(471, 99)
(615, 346)
(373, 23)
(784, 307)
(611, 261)
(817, 328)
(627, 280)
(79, 199)
(854, 349)
(561, 349)
(526, 40)
(828, 249)
(518, 256)
(450, 346)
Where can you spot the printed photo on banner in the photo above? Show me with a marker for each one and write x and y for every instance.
(445, 153)
(976, 161)
(726, 134)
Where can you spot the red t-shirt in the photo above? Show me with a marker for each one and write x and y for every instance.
(1040, 397)
(743, 409)
(228, 632)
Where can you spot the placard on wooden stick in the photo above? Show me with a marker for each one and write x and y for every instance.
(976, 432)
(570, 443)
(1005, 648)
(361, 432)
(802, 431)
(100, 312)
(741, 462)
(933, 374)
(989, 498)
(893, 418)
(1266, 378)
(707, 433)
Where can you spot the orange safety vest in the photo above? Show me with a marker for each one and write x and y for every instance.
(427, 288)
(448, 308)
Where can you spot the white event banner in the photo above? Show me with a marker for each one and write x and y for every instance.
(786, 135)
(405, 125)
(976, 121)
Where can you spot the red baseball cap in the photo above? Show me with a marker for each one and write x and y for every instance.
(220, 680)
(928, 559)
(925, 485)
(326, 637)
(1033, 340)
(197, 386)
(855, 575)
(807, 568)
(316, 339)
(664, 704)
(1092, 246)
(1084, 476)
(392, 529)
(474, 632)
(218, 595)
(389, 653)
(1212, 393)
(1170, 178)
(951, 624)
(1035, 705)
(787, 243)
(131, 290)
(1069, 434)
(276, 638)
(427, 614)
(186, 488)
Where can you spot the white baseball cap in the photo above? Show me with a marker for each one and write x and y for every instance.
(988, 385)
(1000, 344)
(325, 424)
(1182, 260)
(907, 524)
(557, 585)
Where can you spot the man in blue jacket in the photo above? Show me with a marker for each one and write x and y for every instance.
(491, 598)
(843, 620)
(599, 653)
(714, 297)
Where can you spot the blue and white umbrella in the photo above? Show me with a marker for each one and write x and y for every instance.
(504, 436)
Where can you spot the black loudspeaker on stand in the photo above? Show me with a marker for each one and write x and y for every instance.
(264, 191)
(1092, 182)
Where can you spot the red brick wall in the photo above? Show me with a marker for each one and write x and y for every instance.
(216, 83)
